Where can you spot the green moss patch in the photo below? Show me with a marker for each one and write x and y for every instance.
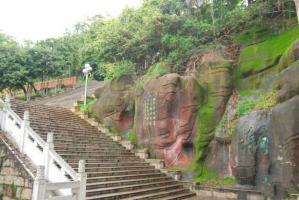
(258, 57)
(254, 35)
(205, 126)
(211, 178)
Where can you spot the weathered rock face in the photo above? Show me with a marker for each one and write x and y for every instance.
(290, 56)
(214, 74)
(265, 149)
(165, 117)
(219, 157)
(289, 82)
(113, 107)
(284, 128)
(250, 148)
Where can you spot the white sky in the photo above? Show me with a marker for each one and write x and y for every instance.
(41, 19)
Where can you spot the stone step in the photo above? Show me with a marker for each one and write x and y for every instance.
(186, 195)
(124, 177)
(86, 142)
(63, 135)
(110, 164)
(124, 182)
(176, 194)
(119, 173)
(99, 157)
(124, 188)
(95, 153)
(129, 194)
(115, 160)
(88, 148)
(115, 168)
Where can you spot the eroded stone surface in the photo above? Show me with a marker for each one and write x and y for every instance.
(265, 149)
(165, 117)
(289, 82)
(114, 104)
(284, 127)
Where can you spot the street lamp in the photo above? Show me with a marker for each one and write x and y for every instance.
(86, 71)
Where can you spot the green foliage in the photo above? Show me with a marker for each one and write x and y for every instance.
(244, 106)
(114, 70)
(261, 56)
(132, 137)
(87, 108)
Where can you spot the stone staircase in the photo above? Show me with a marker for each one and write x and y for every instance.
(112, 171)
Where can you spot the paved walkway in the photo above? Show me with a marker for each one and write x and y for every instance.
(66, 99)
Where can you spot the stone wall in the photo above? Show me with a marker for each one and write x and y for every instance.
(15, 183)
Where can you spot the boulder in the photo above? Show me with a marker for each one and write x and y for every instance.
(265, 149)
(290, 56)
(114, 105)
(165, 116)
(284, 127)
(289, 82)
(214, 74)
(250, 162)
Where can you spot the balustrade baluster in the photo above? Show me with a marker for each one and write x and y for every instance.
(25, 125)
(82, 176)
(39, 186)
(49, 145)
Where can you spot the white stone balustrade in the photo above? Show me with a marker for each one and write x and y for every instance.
(142, 153)
(127, 144)
(43, 190)
(53, 173)
(157, 163)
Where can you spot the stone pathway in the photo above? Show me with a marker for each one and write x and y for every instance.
(66, 99)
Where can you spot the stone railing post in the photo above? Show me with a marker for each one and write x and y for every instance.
(25, 125)
(6, 107)
(39, 186)
(7, 104)
(82, 178)
(49, 145)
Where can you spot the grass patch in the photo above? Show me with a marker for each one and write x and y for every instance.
(244, 107)
(258, 57)
(87, 108)
(210, 177)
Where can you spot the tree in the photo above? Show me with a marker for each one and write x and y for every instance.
(297, 8)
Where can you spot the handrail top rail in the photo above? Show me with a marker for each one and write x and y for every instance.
(63, 185)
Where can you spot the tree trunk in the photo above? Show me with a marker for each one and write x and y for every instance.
(297, 8)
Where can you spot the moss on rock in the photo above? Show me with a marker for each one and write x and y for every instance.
(259, 57)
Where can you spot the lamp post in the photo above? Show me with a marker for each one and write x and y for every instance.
(86, 71)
